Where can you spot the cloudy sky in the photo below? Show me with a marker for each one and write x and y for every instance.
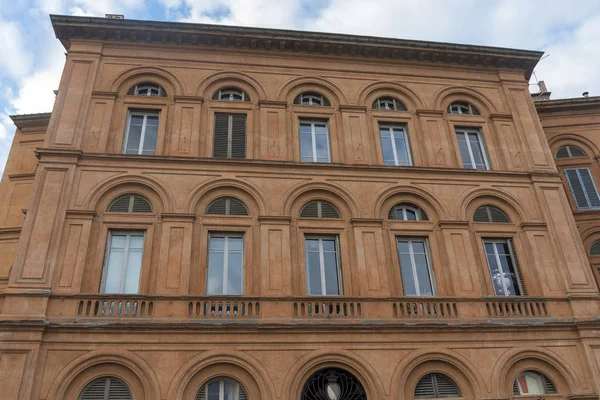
(31, 59)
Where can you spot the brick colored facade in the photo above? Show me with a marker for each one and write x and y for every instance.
(59, 332)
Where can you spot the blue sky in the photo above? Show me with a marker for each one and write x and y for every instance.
(31, 59)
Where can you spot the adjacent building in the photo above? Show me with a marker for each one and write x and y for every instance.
(228, 213)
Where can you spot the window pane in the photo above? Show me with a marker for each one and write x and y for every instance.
(231, 390)
(407, 275)
(464, 151)
(305, 128)
(234, 273)
(217, 243)
(322, 148)
(328, 245)
(213, 391)
(150, 138)
(509, 275)
(114, 270)
(423, 275)
(386, 147)
(411, 215)
(531, 384)
(331, 274)
(314, 273)
(214, 284)
(306, 151)
(134, 135)
(312, 244)
(477, 148)
(132, 275)
(401, 148)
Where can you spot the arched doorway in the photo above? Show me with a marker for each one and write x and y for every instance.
(333, 384)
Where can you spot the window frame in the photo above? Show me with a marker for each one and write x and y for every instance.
(231, 89)
(226, 234)
(432, 280)
(513, 259)
(312, 122)
(310, 95)
(391, 127)
(404, 207)
(568, 147)
(469, 105)
(321, 237)
(465, 130)
(389, 99)
(587, 198)
(145, 114)
(105, 265)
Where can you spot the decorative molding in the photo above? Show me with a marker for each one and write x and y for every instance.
(21, 177)
(31, 122)
(366, 222)
(58, 155)
(421, 112)
(177, 217)
(70, 28)
(104, 94)
(501, 117)
(11, 232)
(273, 103)
(534, 226)
(81, 214)
(454, 224)
(275, 219)
(188, 99)
(353, 108)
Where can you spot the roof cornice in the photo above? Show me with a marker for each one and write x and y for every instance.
(572, 104)
(31, 121)
(68, 28)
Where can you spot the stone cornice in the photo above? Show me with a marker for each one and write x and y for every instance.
(104, 94)
(31, 122)
(69, 28)
(352, 108)
(81, 214)
(430, 113)
(272, 103)
(189, 99)
(275, 219)
(177, 217)
(570, 105)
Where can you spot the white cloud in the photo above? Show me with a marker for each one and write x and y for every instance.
(15, 60)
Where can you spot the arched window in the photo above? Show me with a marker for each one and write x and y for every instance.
(312, 99)
(595, 248)
(106, 388)
(147, 89)
(130, 203)
(319, 209)
(407, 212)
(461, 107)
(222, 389)
(389, 104)
(333, 384)
(231, 94)
(227, 206)
(532, 382)
(490, 214)
(436, 386)
(569, 152)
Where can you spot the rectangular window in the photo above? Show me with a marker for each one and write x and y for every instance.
(472, 149)
(230, 136)
(504, 268)
(394, 145)
(314, 141)
(415, 267)
(142, 133)
(583, 188)
(225, 264)
(322, 266)
(123, 262)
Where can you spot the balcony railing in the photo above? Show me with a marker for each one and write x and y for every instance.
(305, 310)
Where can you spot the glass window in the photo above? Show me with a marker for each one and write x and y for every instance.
(583, 188)
(231, 94)
(388, 104)
(322, 265)
(123, 262)
(225, 264)
(312, 99)
(472, 149)
(569, 152)
(532, 382)
(394, 145)
(222, 389)
(503, 267)
(147, 89)
(314, 141)
(415, 267)
(462, 108)
(142, 133)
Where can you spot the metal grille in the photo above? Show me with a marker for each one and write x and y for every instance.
(436, 386)
(106, 388)
(333, 383)
(319, 209)
(227, 206)
(490, 214)
(131, 203)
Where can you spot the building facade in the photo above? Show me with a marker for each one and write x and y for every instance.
(238, 213)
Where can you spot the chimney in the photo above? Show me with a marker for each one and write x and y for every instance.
(543, 88)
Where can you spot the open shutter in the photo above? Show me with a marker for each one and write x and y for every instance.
(238, 136)
(220, 142)
(516, 391)
(517, 268)
(576, 189)
(590, 188)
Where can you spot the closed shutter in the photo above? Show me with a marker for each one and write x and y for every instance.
(230, 136)
(106, 388)
(220, 142)
(583, 188)
(436, 386)
(236, 207)
(576, 152)
(227, 206)
(201, 395)
(328, 210)
(425, 389)
(518, 273)
(310, 210)
(490, 214)
(319, 209)
(595, 249)
(496, 215)
(141, 205)
(120, 204)
(238, 136)
(130, 203)
(516, 391)
(549, 387)
(217, 207)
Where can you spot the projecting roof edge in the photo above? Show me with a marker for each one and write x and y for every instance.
(67, 28)
(569, 104)
(31, 120)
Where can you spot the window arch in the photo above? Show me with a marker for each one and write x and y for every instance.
(227, 206)
(231, 94)
(222, 389)
(312, 99)
(149, 89)
(333, 384)
(533, 382)
(319, 209)
(595, 248)
(407, 212)
(436, 386)
(388, 104)
(491, 214)
(463, 107)
(569, 151)
(130, 203)
(106, 388)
